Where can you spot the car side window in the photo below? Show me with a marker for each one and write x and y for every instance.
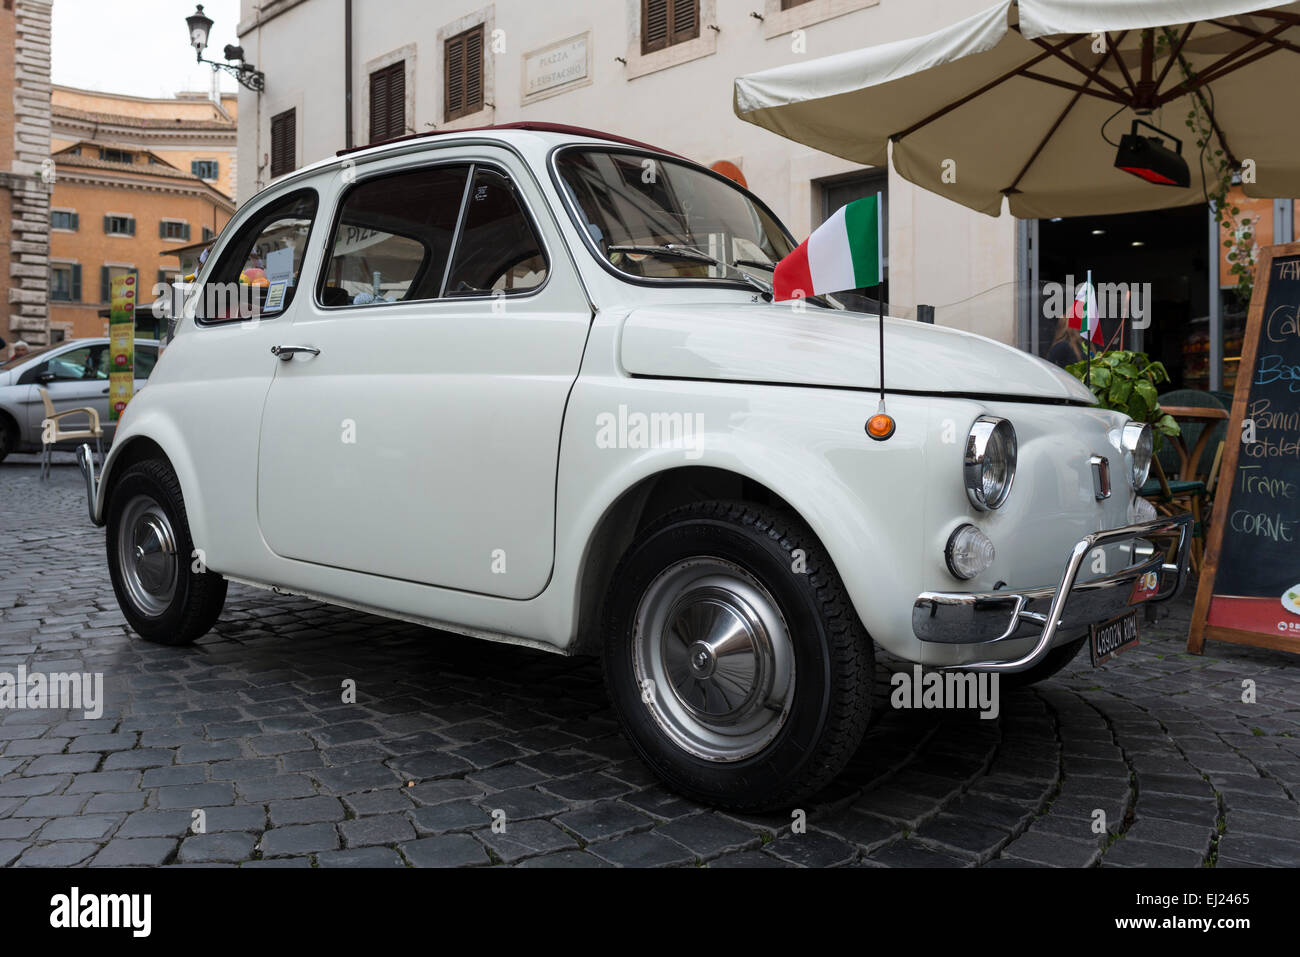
(393, 237)
(145, 357)
(76, 365)
(258, 271)
(498, 251)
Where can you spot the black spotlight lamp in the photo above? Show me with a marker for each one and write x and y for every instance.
(1148, 158)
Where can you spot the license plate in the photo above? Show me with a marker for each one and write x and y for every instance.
(1115, 636)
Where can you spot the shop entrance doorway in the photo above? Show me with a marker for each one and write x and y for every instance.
(1151, 272)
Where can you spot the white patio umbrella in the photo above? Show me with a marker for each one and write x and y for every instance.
(1029, 100)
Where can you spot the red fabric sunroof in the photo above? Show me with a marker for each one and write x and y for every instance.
(527, 125)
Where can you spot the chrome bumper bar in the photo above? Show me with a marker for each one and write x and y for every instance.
(86, 462)
(1050, 613)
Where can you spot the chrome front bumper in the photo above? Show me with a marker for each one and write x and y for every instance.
(86, 462)
(1057, 614)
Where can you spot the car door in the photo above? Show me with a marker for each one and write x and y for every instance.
(421, 441)
(76, 377)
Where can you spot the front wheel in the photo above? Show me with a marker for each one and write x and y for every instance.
(733, 657)
(165, 593)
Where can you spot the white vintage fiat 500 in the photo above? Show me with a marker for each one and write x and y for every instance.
(529, 384)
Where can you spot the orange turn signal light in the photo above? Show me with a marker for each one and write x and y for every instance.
(881, 426)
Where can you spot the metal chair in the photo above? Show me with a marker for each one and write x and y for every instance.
(52, 432)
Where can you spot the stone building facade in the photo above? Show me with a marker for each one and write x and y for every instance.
(26, 170)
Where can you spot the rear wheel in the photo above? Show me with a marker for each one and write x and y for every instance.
(164, 592)
(8, 436)
(733, 657)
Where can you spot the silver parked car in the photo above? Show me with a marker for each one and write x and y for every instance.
(75, 373)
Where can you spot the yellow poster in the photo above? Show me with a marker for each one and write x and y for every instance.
(121, 345)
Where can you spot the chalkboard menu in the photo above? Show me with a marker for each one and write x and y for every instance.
(1250, 580)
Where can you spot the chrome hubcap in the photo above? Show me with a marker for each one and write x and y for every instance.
(714, 657)
(147, 556)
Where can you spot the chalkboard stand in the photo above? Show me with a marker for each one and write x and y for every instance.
(1201, 629)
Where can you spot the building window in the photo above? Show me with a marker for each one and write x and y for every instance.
(207, 233)
(840, 192)
(119, 225)
(284, 143)
(116, 156)
(64, 219)
(174, 229)
(205, 169)
(106, 276)
(787, 4)
(388, 102)
(665, 23)
(165, 277)
(65, 282)
(463, 55)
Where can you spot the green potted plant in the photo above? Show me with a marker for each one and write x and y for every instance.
(1126, 382)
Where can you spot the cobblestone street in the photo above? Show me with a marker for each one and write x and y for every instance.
(248, 726)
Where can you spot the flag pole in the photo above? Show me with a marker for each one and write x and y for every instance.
(1087, 343)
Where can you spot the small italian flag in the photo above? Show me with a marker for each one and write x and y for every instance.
(1084, 315)
(842, 253)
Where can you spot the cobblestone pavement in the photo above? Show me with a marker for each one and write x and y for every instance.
(446, 732)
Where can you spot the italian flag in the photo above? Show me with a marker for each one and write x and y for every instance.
(1084, 315)
(842, 253)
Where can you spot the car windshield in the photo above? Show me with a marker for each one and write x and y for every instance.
(651, 203)
(18, 360)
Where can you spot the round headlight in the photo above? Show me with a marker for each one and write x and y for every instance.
(1139, 441)
(969, 552)
(990, 462)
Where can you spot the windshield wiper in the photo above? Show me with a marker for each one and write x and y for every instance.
(679, 251)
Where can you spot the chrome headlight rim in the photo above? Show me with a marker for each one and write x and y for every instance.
(988, 435)
(1139, 441)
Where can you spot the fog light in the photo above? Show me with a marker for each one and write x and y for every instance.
(968, 552)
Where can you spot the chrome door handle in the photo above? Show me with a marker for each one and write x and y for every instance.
(285, 353)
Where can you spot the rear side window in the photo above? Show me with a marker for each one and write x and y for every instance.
(259, 269)
(393, 238)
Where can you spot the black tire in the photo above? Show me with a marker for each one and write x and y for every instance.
(8, 436)
(1054, 661)
(826, 712)
(187, 609)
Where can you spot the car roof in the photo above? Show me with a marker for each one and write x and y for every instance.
(556, 133)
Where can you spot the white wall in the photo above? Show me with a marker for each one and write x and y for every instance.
(940, 253)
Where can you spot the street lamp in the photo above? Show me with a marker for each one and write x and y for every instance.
(199, 25)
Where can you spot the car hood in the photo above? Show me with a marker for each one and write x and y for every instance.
(772, 343)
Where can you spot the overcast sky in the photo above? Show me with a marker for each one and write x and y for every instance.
(138, 47)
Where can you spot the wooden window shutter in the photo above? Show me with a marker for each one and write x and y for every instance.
(108, 224)
(284, 146)
(686, 20)
(388, 102)
(75, 224)
(76, 283)
(668, 22)
(105, 285)
(185, 232)
(463, 86)
(162, 230)
(130, 226)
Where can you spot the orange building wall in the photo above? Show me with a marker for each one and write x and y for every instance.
(91, 248)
